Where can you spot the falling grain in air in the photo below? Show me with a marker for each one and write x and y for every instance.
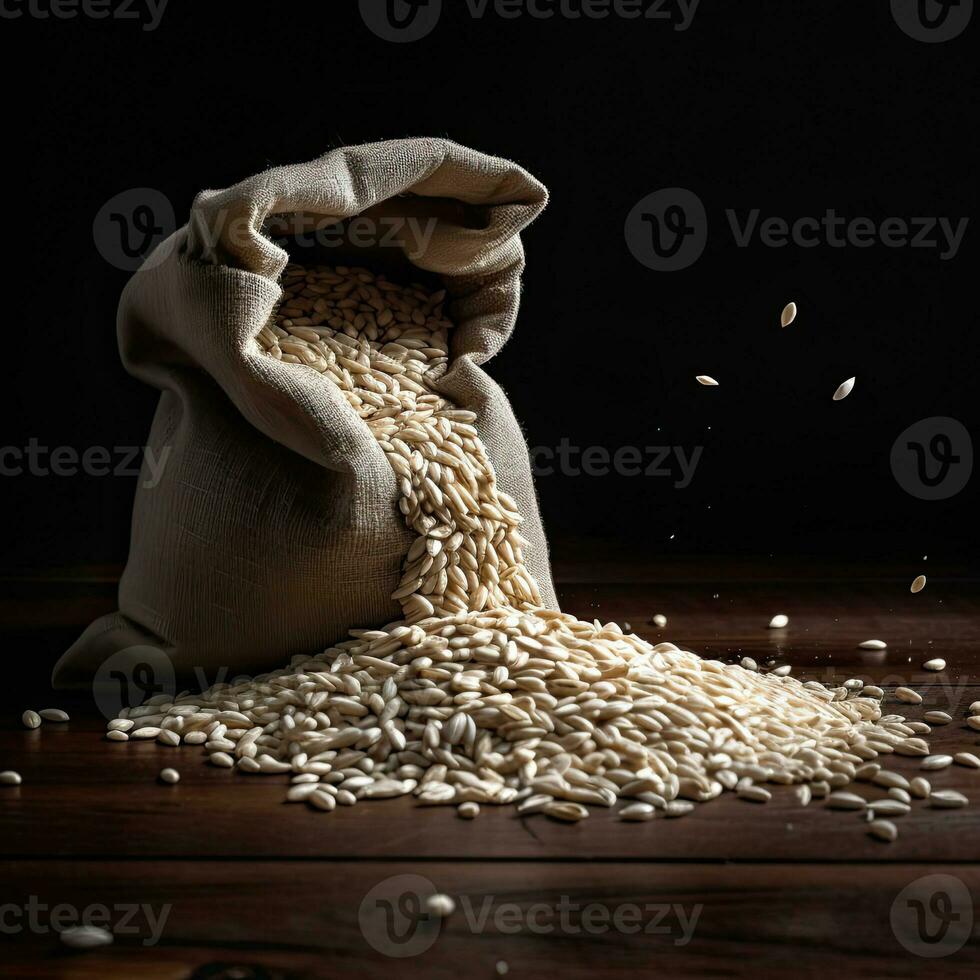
(788, 314)
(704, 379)
(844, 390)
(778, 622)
(918, 584)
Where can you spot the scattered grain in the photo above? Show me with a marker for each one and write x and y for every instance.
(920, 787)
(883, 830)
(637, 812)
(947, 799)
(86, 937)
(846, 801)
(439, 905)
(54, 714)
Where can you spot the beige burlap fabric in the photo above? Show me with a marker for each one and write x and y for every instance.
(275, 528)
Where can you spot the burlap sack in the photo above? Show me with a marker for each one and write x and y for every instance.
(274, 527)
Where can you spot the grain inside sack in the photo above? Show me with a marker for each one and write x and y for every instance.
(478, 694)
(338, 456)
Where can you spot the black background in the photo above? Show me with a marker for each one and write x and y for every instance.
(791, 108)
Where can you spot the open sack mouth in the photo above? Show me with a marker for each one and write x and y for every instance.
(404, 223)
(274, 389)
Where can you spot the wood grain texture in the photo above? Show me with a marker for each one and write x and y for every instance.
(342, 918)
(276, 887)
(70, 770)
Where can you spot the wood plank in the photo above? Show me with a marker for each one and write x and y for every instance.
(69, 770)
(725, 619)
(714, 616)
(83, 796)
(333, 919)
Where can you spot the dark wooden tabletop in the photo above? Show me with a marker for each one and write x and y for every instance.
(216, 877)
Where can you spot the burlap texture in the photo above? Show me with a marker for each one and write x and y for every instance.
(274, 528)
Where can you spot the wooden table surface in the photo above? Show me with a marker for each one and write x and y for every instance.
(216, 877)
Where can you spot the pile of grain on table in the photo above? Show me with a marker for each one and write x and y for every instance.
(478, 695)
